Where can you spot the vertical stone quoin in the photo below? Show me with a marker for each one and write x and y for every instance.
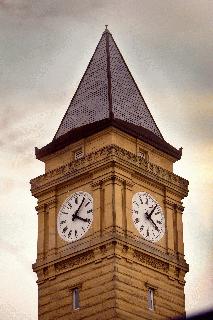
(110, 232)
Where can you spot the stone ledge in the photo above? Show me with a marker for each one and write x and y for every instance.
(111, 247)
(106, 154)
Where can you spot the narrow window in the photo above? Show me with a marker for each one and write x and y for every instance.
(150, 298)
(78, 153)
(75, 298)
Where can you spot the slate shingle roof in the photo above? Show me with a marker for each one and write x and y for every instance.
(107, 96)
(106, 90)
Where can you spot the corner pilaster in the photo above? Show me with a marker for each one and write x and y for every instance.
(52, 240)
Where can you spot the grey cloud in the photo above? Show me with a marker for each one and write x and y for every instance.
(195, 121)
(8, 116)
(21, 129)
(167, 50)
(176, 38)
(170, 37)
(168, 44)
(13, 5)
(48, 8)
(187, 119)
(201, 126)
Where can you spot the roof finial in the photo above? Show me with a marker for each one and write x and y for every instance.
(106, 29)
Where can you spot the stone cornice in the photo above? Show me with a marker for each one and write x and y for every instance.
(173, 205)
(110, 153)
(76, 261)
(129, 243)
(151, 261)
(107, 248)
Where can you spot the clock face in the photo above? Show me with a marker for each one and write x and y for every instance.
(148, 216)
(75, 216)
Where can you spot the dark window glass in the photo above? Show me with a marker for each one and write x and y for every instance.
(75, 297)
(150, 298)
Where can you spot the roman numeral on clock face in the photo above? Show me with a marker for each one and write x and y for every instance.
(69, 234)
(147, 232)
(65, 229)
(136, 203)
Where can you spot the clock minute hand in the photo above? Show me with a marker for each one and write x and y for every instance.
(156, 228)
(149, 218)
(149, 215)
(75, 215)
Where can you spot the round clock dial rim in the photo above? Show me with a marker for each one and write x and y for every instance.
(147, 224)
(80, 223)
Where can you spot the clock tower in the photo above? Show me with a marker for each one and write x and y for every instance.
(110, 232)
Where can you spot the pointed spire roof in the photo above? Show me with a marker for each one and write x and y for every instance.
(107, 95)
(107, 90)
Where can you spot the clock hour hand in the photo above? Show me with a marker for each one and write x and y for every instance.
(149, 215)
(83, 219)
(75, 215)
(149, 218)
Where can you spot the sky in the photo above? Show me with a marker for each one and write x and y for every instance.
(45, 47)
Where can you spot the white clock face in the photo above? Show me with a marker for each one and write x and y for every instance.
(148, 216)
(75, 216)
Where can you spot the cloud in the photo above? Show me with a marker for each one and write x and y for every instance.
(14, 5)
(7, 184)
(20, 128)
(49, 8)
(21, 8)
(199, 295)
(167, 48)
(197, 117)
(9, 312)
(171, 41)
